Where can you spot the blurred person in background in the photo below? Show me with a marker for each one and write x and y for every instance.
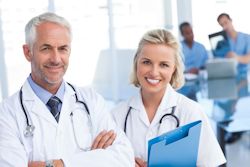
(195, 57)
(195, 54)
(239, 43)
(239, 46)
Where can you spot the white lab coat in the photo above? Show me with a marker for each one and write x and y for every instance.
(139, 130)
(54, 140)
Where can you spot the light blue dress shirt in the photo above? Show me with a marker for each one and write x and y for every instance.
(44, 95)
(194, 57)
(241, 46)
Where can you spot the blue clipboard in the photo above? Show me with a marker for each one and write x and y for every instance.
(177, 148)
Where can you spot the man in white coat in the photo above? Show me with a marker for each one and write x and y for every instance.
(50, 122)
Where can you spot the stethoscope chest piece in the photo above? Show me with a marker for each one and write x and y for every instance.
(29, 131)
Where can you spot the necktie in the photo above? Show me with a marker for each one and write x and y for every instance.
(53, 103)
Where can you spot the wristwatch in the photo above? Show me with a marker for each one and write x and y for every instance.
(49, 163)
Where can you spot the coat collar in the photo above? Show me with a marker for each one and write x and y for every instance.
(169, 99)
(33, 104)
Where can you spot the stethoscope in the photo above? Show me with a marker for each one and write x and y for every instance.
(161, 120)
(29, 130)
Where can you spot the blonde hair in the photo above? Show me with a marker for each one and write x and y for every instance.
(161, 37)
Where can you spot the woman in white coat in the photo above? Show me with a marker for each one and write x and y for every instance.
(158, 71)
(79, 131)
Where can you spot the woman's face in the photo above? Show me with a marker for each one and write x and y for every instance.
(155, 67)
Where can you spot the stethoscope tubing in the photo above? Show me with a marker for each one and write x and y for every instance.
(29, 127)
(173, 115)
(161, 120)
(22, 105)
(77, 100)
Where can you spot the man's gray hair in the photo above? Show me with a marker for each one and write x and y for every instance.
(30, 28)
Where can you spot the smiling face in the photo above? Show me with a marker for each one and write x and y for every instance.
(155, 67)
(49, 56)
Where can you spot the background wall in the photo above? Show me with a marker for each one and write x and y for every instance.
(100, 25)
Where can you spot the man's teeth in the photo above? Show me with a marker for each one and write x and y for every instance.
(153, 81)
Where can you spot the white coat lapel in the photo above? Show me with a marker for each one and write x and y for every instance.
(169, 100)
(34, 105)
(139, 109)
(68, 105)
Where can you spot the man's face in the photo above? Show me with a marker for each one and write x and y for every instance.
(226, 23)
(49, 56)
(187, 33)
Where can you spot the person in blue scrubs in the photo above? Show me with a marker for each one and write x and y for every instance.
(240, 50)
(195, 57)
(195, 54)
(239, 43)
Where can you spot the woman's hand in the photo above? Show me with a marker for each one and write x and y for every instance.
(140, 162)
